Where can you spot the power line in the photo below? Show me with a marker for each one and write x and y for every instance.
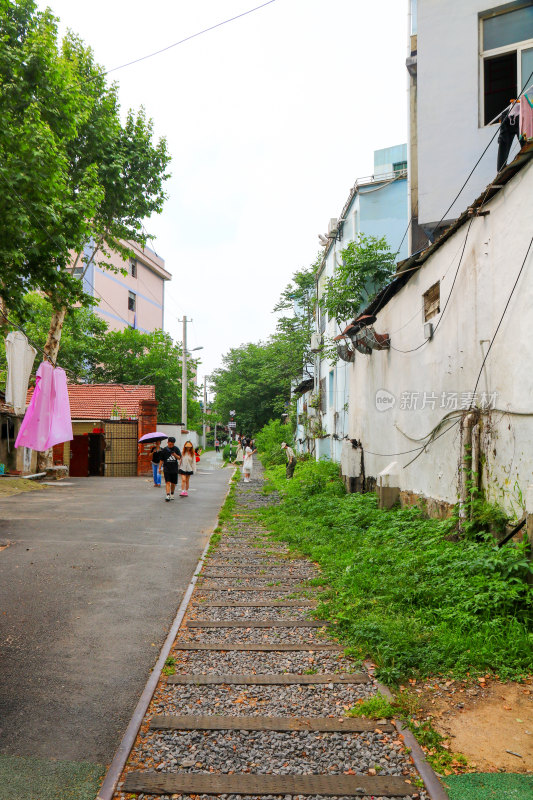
(187, 38)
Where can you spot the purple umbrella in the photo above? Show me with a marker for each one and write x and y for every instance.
(153, 437)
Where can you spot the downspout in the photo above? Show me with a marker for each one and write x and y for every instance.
(467, 423)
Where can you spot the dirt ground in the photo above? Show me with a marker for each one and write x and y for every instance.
(489, 722)
(10, 486)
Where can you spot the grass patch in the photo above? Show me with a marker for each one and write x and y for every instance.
(400, 590)
(377, 707)
(170, 666)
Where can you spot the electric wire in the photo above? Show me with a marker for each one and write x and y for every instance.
(187, 38)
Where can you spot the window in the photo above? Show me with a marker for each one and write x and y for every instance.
(131, 301)
(507, 56)
(432, 301)
(133, 268)
(331, 396)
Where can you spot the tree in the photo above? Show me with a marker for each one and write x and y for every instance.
(300, 298)
(42, 105)
(130, 356)
(83, 335)
(256, 379)
(367, 264)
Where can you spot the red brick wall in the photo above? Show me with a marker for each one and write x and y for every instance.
(147, 424)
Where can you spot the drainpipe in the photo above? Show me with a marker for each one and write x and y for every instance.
(475, 467)
(467, 424)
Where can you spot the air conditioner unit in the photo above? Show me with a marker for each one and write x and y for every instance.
(333, 226)
(316, 342)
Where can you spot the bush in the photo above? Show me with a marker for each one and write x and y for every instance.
(268, 442)
(401, 591)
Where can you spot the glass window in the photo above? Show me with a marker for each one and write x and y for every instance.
(500, 82)
(131, 301)
(330, 387)
(527, 68)
(133, 267)
(509, 28)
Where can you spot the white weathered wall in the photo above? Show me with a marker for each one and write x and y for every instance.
(450, 139)
(451, 361)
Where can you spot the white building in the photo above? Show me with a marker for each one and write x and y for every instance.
(466, 59)
(376, 206)
(424, 406)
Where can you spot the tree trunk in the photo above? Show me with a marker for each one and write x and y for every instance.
(51, 348)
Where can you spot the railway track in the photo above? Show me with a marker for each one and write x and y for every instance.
(254, 703)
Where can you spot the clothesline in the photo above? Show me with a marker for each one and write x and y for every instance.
(511, 105)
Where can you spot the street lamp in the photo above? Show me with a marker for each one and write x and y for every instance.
(184, 375)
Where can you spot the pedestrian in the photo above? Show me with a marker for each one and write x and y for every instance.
(239, 457)
(248, 461)
(155, 453)
(169, 462)
(291, 460)
(187, 467)
(217, 446)
(198, 453)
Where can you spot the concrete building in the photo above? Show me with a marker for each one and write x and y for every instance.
(466, 60)
(376, 206)
(441, 381)
(134, 300)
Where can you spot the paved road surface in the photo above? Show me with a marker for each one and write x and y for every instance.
(88, 590)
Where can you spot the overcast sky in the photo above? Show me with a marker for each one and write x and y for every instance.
(269, 120)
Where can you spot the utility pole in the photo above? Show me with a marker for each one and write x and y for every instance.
(184, 373)
(204, 434)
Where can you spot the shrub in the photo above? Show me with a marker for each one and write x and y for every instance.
(268, 442)
(400, 590)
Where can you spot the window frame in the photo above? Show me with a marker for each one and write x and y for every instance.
(515, 47)
(132, 301)
(134, 267)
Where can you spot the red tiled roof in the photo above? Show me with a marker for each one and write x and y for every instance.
(97, 400)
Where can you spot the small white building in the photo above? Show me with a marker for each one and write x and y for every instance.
(466, 60)
(452, 388)
(376, 206)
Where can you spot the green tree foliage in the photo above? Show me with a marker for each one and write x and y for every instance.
(130, 356)
(42, 108)
(255, 379)
(74, 176)
(83, 336)
(367, 265)
(268, 442)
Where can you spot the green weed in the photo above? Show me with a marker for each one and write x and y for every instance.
(400, 590)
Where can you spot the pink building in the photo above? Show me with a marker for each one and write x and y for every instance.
(134, 300)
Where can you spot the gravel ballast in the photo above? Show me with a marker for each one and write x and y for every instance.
(246, 551)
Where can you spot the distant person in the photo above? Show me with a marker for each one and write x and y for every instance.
(155, 453)
(198, 453)
(217, 446)
(169, 463)
(291, 460)
(187, 467)
(239, 456)
(248, 462)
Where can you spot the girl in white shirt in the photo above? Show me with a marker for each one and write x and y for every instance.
(187, 467)
(248, 461)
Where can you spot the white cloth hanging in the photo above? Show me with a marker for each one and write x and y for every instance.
(20, 357)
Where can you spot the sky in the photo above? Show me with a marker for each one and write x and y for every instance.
(269, 119)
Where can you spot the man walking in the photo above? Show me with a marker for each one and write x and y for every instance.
(170, 457)
(291, 460)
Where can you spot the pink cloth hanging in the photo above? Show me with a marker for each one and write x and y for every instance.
(47, 420)
(526, 117)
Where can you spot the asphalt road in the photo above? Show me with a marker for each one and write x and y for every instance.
(89, 586)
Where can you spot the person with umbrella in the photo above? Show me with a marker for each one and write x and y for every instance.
(155, 439)
(170, 458)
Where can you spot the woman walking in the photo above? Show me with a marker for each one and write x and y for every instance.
(248, 461)
(155, 453)
(187, 467)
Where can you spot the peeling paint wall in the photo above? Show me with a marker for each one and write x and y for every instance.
(396, 397)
